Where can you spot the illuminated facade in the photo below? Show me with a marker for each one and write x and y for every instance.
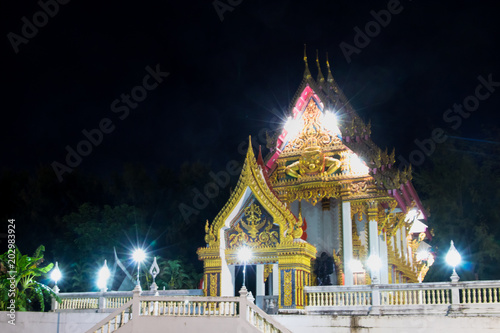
(324, 191)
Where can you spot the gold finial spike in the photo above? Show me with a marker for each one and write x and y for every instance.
(307, 73)
(320, 78)
(330, 76)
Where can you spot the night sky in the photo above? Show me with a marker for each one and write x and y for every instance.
(231, 72)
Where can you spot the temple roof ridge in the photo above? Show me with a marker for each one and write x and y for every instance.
(253, 178)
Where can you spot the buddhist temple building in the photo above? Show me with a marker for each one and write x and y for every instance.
(326, 206)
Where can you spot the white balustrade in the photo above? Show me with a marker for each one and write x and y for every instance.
(438, 297)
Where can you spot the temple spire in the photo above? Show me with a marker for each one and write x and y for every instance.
(321, 78)
(307, 73)
(330, 76)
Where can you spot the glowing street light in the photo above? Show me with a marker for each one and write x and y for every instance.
(103, 276)
(244, 254)
(56, 276)
(453, 258)
(139, 255)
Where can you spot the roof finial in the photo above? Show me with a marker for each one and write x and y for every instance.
(307, 73)
(320, 78)
(330, 76)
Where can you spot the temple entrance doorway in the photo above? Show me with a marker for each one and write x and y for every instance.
(251, 279)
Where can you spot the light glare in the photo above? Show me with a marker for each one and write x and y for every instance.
(56, 274)
(330, 122)
(292, 127)
(356, 165)
(374, 262)
(245, 254)
(453, 258)
(356, 266)
(103, 276)
(139, 255)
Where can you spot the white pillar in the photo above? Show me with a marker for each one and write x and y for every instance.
(384, 270)
(276, 280)
(373, 241)
(347, 242)
(261, 285)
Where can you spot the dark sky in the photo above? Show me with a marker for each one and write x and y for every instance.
(228, 78)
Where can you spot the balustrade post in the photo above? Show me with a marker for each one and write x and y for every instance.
(455, 293)
(375, 299)
(136, 303)
(101, 303)
(243, 304)
(53, 304)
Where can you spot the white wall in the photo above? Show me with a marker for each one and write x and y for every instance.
(37, 322)
(50, 322)
(388, 324)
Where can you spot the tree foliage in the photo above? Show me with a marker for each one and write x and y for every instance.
(460, 185)
(29, 294)
(85, 217)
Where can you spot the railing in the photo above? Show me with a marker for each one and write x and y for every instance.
(472, 294)
(162, 306)
(82, 303)
(114, 321)
(463, 297)
(141, 308)
(414, 294)
(261, 320)
(108, 301)
(339, 298)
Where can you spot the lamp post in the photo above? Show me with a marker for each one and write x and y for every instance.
(103, 276)
(56, 276)
(244, 254)
(453, 258)
(139, 255)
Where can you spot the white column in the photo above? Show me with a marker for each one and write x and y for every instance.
(384, 270)
(276, 280)
(261, 285)
(347, 242)
(373, 241)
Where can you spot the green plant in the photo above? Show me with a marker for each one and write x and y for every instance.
(28, 293)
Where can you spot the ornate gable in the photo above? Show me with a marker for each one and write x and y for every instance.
(253, 191)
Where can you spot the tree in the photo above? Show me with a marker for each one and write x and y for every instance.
(29, 294)
(173, 275)
(460, 185)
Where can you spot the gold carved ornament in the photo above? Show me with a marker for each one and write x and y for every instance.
(268, 269)
(255, 234)
(287, 287)
(310, 143)
(213, 284)
(251, 177)
(210, 238)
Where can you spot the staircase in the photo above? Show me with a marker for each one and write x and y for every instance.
(145, 313)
